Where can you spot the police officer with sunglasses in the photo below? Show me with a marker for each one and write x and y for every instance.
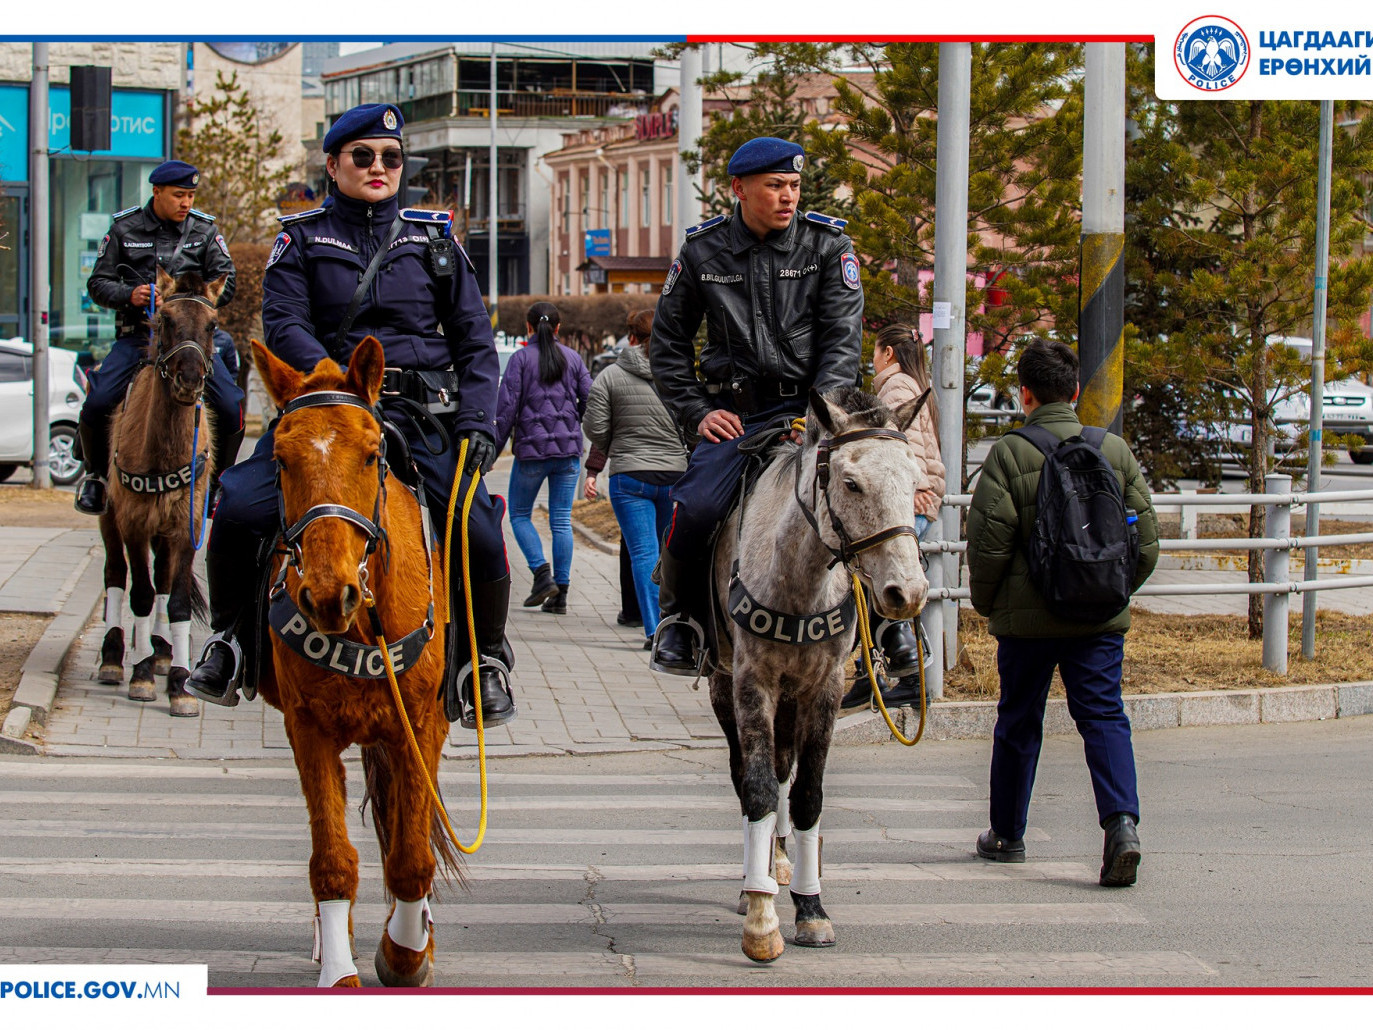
(362, 266)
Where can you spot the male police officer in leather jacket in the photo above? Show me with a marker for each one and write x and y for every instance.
(169, 233)
(783, 307)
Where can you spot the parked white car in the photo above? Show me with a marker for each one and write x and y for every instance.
(66, 394)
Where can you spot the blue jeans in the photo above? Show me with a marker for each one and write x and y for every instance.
(644, 512)
(526, 477)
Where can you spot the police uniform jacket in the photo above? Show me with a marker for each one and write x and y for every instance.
(784, 312)
(140, 241)
(424, 321)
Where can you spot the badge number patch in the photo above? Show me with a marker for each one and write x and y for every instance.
(283, 241)
(848, 266)
(672, 274)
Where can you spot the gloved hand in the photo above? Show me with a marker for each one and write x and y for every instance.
(481, 452)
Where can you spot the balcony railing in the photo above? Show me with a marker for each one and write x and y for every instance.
(555, 104)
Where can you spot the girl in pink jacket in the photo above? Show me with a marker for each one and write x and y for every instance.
(898, 358)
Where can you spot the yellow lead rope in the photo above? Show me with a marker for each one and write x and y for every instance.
(865, 634)
(466, 849)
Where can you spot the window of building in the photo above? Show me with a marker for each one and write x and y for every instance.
(669, 198)
(584, 200)
(645, 195)
(624, 198)
(603, 215)
(564, 221)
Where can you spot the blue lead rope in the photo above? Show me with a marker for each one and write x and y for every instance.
(198, 539)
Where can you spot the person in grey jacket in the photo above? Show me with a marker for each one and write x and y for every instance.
(625, 418)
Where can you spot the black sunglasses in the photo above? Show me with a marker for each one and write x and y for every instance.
(391, 157)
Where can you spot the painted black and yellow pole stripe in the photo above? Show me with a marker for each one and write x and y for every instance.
(1101, 329)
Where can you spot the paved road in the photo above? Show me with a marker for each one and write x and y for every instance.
(621, 870)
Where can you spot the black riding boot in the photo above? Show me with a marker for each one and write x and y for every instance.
(490, 603)
(229, 657)
(95, 450)
(682, 596)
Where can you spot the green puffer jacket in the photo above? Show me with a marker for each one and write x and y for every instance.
(1003, 514)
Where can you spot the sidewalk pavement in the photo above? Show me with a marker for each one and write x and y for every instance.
(582, 682)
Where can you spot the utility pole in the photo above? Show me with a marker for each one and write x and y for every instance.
(689, 120)
(38, 261)
(950, 331)
(1313, 457)
(492, 274)
(1101, 279)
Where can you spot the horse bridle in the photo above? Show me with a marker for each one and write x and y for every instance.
(849, 549)
(163, 361)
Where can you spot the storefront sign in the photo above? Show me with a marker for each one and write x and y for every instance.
(598, 243)
(656, 126)
(137, 127)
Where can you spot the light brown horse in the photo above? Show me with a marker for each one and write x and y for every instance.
(351, 533)
(161, 471)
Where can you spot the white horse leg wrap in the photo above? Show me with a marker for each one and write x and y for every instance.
(409, 924)
(783, 808)
(805, 860)
(758, 854)
(181, 644)
(114, 607)
(332, 950)
(142, 638)
(160, 623)
(746, 844)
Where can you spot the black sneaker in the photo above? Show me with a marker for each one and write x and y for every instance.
(996, 848)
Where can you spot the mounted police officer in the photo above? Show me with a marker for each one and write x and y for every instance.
(783, 305)
(361, 266)
(166, 232)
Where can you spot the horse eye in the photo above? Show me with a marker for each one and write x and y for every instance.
(371, 460)
(853, 487)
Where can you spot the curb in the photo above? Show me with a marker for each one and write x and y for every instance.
(965, 720)
(594, 539)
(33, 698)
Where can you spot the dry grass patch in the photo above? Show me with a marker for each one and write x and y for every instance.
(18, 635)
(1167, 653)
(597, 516)
(22, 505)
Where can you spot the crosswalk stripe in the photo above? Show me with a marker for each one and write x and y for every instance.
(515, 803)
(478, 872)
(161, 910)
(484, 966)
(627, 836)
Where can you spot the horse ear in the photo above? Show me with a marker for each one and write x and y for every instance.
(905, 414)
(215, 288)
(166, 285)
(281, 380)
(823, 411)
(365, 369)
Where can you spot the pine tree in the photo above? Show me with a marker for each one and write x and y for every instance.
(241, 161)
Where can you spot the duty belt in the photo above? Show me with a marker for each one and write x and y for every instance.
(749, 396)
(435, 388)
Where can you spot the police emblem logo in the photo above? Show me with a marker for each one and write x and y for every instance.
(1211, 53)
(798, 161)
(389, 119)
(848, 267)
(104, 245)
(672, 274)
(283, 241)
(223, 246)
(195, 179)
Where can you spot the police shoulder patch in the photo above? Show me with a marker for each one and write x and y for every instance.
(202, 215)
(848, 268)
(222, 244)
(709, 223)
(283, 241)
(837, 224)
(672, 273)
(302, 216)
(104, 245)
(125, 213)
(416, 214)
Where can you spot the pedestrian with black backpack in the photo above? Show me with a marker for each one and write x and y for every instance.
(1060, 533)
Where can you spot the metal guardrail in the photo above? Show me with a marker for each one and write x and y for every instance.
(1276, 588)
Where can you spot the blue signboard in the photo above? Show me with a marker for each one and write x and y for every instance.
(598, 243)
(137, 127)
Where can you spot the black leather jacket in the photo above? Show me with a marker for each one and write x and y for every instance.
(139, 241)
(784, 313)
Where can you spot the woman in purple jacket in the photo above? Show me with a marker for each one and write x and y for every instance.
(542, 397)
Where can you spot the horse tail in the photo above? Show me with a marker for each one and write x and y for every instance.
(200, 609)
(377, 775)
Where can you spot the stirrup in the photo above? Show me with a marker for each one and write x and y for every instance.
(460, 706)
(105, 493)
(700, 647)
(235, 685)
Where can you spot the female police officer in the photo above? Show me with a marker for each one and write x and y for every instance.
(361, 266)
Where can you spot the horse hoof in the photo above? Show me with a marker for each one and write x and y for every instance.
(185, 706)
(765, 947)
(814, 933)
(351, 980)
(162, 656)
(142, 690)
(742, 908)
(401, 967)
(110, 674)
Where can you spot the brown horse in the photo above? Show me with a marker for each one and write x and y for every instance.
(162, 447)
(354, 543)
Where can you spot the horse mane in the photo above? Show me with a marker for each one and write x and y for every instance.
(190, 282)
(865, 408)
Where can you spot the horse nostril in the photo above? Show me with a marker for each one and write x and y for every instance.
(306, 603)
(351, 596)
(895, 598)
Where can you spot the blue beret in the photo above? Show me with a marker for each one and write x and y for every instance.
(767, 154)
(175, 173)
(366, 121)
